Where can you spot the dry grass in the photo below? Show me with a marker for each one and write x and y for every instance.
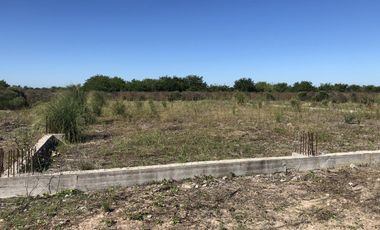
(336, 199)
(165, 132)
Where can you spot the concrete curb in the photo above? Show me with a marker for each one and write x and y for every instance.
(105, 178)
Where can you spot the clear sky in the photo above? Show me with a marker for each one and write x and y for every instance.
(51, 42)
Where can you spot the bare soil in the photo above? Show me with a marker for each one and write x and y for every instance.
(347, 198)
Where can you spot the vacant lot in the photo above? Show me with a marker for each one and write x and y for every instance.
(347, 198)
(152, 132)
(165, 132)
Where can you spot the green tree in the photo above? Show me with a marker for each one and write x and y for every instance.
(195, 83)
(245, 85)
(3, 84)
(281, 87)
(303, 86)
(104, 83)
(263, 86)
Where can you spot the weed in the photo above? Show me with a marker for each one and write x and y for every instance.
(296, 105)
(119, 109)
(351, 118)
(136, 216)
(86, 165)
(153, 109)
(139, 105)
(367, 101)
(323, 214)
(164, 104)
(240, 98)
(279, 116)
(96, 102)
(106, 206)
(109, 222)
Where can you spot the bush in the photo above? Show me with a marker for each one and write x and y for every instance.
(339, 98)
(68, 114)
(296, 105)
(377, 99)
(153, 109)
(96, 102)
(368, 101)
(175, 96)
(351, 118)
(269, 97)
(321, 96)
(119, 109)
(241, 98)
(303, 96)
(12, 98)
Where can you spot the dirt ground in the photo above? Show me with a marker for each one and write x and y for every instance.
(346, 198)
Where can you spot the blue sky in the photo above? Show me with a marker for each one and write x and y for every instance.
(45, 43)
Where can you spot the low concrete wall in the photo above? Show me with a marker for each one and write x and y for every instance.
(100, 179)
(42, 151)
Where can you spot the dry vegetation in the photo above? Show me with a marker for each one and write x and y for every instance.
(147, 133)
(347, 198)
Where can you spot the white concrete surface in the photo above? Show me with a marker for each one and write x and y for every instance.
(105, 178)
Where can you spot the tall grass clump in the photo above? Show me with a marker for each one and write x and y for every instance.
(153, 109)
(96, 102)
(68, 114)
(118, 109)
(240, 98)
(296, 105)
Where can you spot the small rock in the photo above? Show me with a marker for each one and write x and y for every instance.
(186, 186)
(282, 180)
(295, 178)
(196, 186)
(204, 185)
(357, 188)
(225, 178)
(149, 216)
(353, 166)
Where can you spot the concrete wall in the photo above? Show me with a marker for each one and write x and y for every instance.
(42, 152)
(100, 179)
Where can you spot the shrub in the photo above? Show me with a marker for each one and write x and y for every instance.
(118, 109)
(96, 102)
(175, 96)
(153, 109)
(339, 98)
(351, 118)
(164, 104)
(321, 96)
(303, 96)
(279, 116)
(269, 97)
(296, 105)
(86, 165)
(368, 101)
(241, 98)
(68, 114)
(12, 98)
(377, 99)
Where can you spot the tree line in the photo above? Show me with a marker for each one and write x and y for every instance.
(196, 83)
